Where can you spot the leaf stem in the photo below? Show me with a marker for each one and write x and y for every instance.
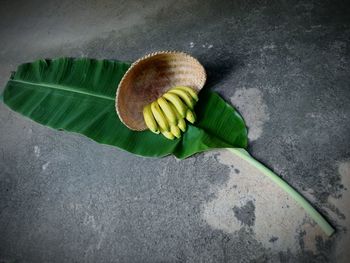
(313, 213)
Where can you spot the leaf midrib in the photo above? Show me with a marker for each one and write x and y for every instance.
(59, 87)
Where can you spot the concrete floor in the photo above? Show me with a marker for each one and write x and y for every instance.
(284, 64)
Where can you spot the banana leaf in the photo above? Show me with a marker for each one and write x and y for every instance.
(78, 95)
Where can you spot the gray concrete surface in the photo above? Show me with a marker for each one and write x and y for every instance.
(284, 64)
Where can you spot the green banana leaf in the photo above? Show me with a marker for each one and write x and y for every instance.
(78, 95)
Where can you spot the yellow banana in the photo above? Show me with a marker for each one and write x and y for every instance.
(149, 119)
(167, 134)
(182, 125)
(190, 116)
(181, 122)
(177, 103)
(168, 111)
(175, 131)
(191, 91)
(185, 96)
(159, 116)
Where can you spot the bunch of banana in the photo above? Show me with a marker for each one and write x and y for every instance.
(167, 114)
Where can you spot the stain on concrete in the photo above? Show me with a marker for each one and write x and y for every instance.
(251, 105)
(275, 213)
(36, 150)
(45, 165)
(245, 214)
(273, 239)
(342, 203)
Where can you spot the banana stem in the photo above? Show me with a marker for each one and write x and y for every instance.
(319, 219)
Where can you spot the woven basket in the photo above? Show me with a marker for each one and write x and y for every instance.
(150, 77)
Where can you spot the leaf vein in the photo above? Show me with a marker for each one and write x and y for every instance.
(58, 87)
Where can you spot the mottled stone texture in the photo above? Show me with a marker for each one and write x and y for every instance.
(283, 64)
